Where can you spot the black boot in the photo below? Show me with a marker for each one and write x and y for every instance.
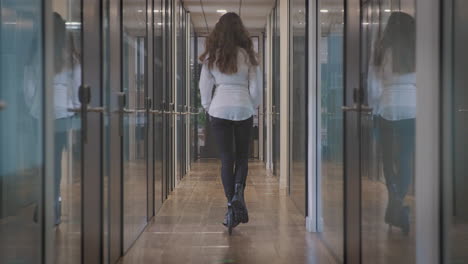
(404, 220)
(393, 206)
(229, 220)
(226, 219)
(238, 204)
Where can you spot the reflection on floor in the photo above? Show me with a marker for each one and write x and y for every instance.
(380, 243)
(68, 232)
(20, 232)
(297, 185)
(188, 227)
(135, 200)
(332, 222)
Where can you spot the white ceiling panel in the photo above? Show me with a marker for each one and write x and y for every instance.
(254, 13)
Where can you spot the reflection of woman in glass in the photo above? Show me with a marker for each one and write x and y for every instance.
(395, 56)
(230, 63)
(66, 82)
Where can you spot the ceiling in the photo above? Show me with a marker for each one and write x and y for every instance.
(254, 13)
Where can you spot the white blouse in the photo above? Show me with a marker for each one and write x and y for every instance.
(237, 96)
(392, 95)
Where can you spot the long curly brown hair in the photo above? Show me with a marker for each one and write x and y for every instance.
(223, 44)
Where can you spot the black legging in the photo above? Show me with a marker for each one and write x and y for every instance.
(397, 154)
(227, 132)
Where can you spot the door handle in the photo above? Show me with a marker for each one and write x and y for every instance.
(155, 112)
(459, 110)
(133, 111)
(186, 110)
(356, 108)
(149, 104)
(2, 105)
(122, 101)
(84, 96)
(88, 109)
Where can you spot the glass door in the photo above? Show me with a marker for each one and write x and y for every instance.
(180, 90)
(387, 114)
(158, 100)
(167, 105)
(22, 129)
(113, 130)
(330, 91)
(72, 118)
(193, 82)
(275, 111)
(77, 118)
(454, 131)
(134, 74)
(298, 109)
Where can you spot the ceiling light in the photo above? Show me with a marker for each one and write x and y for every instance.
(223, 11)
(156, 11)
(388, 11)
(160, 24)
(323, 10)
(140, 11)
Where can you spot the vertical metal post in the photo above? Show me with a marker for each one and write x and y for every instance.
(352, 194)
(92, 209)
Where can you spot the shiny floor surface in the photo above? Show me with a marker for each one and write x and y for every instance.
(188, 227)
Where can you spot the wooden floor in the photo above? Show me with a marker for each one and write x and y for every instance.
(188, 227)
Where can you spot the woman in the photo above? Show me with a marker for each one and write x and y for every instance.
(230, 64)
(395, 56)
(66, 82)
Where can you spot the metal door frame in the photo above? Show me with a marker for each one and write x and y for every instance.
(352, 136)
(158, 110)
(92, 159)
(149, 95)
(116, 148)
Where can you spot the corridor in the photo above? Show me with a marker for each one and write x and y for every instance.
(188, 228)
(356, 112)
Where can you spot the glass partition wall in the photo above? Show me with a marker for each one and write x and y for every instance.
(330, 91)
(67, 81)
(134, 70)
(181, 86)
(272, 103)
(193, 82)
(22, 161)
(56, 167)
(298, 103)
(366, 130)
(158, 100)
(68, 138)
(275, 108)
(388, 66)
(454, 130)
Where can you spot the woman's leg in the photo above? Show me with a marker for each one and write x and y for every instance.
(242, 131)
(406, 137)
(60, 143)
(223, 131)
(387, 147)
(242, 134)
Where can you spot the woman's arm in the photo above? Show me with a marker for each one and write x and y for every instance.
(76, 83)
(255, 85)
(206, 86)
